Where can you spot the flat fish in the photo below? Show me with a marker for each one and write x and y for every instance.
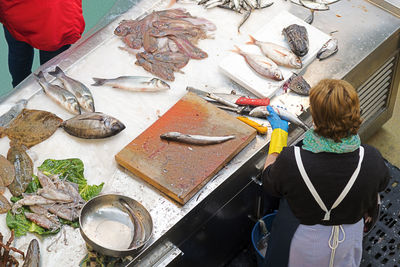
(261, 64)
(279, 54)
(328, 49)
(195, 139)
(13, 112)
(32, 258)
(32, 127)
(7, 172)
(23, 168)
(134, 83)
(298, 85)
(93, 126)
(60, 95)
(78, 89)
(297, 38)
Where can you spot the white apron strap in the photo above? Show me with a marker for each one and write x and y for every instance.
(312, 188)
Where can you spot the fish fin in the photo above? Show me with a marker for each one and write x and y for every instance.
(39, 76)
(236, 50)
(266, 63)
(98, 81)
(252, 40)
(279, 52)
(57, 72)
(171, 3)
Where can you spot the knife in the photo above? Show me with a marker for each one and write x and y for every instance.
(260, 129)
(207, 95)
(236, 99)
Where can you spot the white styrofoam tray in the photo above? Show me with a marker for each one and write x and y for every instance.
(234, 66)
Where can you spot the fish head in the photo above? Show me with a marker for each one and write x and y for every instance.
(115, 125)
(296, 62)
(278, 75)
(299, 85)
(74, 105)
(88, 103)
(328, 49)
(159, 83)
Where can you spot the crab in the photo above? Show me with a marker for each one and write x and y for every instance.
(7, 260)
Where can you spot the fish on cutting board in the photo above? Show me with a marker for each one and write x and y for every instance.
(195, 139)
(261, 64)
(80, 91)
(297, 38)
(134, 83)
(93, 126)
(60, 95)
(279, 54)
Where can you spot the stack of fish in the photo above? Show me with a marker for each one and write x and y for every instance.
(56, 199)
(73, 96)
(168, 38)
(246, 6)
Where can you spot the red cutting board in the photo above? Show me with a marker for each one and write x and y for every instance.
(177, 169)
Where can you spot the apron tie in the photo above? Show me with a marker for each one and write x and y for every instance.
(327, 216)
(334, 241)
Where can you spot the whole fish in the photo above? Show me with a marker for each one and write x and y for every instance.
(297, 38)
(298, 85)
(60, 95)
(279, 54)
(134, 83)
(328, 49)
(32, 258)
(261, 64)
(314, 5)
(93, 126)
(195, 139)
(245, 17)
(23, 168)
(262, 112)
(7, 172)
(80, 91)
(13, 112)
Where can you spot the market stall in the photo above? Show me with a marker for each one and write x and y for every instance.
(216, 219)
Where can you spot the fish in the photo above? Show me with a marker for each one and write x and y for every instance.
(80, 91)
(195, 139)
(30, 200)
(5, 206)
(297, 38)
(189, 49)
(32, 127)
(245, 17)
(32, 258)
(93, 126)
(314, 5)
(60, 95)
(326, 2)
(262, 112)
(138, 235)
(12, 113)
(134, 83)
(298, 85)
(54, 194)
(68, 212)
(279, 54)
(328, 49)
(23, 168)
(44, 221)
(7, 172)
(261, 64)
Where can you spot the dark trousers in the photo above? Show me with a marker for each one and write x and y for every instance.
(20, 57)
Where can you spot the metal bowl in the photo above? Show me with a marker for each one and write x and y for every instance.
(115, 225)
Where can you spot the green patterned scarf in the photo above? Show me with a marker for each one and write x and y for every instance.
(315, 143)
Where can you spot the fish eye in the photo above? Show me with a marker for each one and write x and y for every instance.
(298, 87)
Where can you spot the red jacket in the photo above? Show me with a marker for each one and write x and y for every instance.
(44, 24)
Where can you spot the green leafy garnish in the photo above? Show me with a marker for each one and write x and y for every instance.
(70, 169)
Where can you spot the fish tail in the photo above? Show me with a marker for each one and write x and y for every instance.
(57, 72)
(39, 76)
(99, 81)
(171, 3)
(252, 40)
(237, 50)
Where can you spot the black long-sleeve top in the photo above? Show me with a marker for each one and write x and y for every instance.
(329, 173)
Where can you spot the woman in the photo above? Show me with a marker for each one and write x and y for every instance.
(50, 26)
(327, 185)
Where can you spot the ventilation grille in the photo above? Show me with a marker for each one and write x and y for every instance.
(374, 93)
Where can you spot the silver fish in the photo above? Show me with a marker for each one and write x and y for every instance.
(328, 49)
(30, 200)
(93, 126)
(32, 258)
(245, 17)
(13, 112)
(60, 95)
(314, 5)
(279, 54)
(134, 83)
(81, 92)
(54, 194)
(195, 139)
(262, 112)
(262, 65)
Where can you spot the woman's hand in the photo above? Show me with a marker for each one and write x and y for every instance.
(279, 132)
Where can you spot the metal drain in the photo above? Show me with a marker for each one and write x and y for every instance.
(382, 246)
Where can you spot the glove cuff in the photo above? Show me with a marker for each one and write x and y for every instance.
(278, 141)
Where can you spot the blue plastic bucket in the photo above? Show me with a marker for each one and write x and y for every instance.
(256, 234)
